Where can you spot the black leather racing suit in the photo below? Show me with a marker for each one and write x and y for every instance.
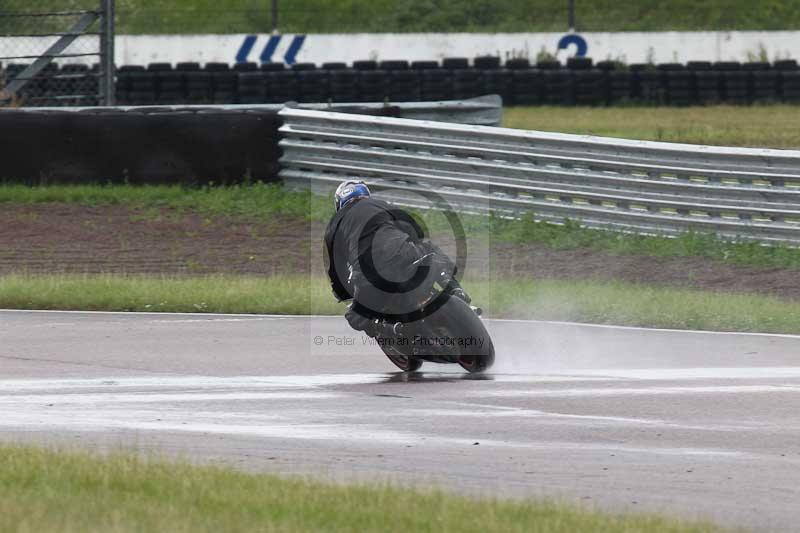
(375, 253)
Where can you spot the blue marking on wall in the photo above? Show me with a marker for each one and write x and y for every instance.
(579, 42)
(269, 50)
(246, 48)
(294, 48)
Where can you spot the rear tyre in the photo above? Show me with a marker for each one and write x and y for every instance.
(404, 362)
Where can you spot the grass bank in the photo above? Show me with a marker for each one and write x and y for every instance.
(589, 302)
(239, 16)
(769, 126)
(263, 202)
(43, 490)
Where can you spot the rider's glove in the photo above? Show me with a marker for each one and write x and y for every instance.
(461, 293)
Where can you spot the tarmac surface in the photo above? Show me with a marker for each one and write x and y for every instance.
(688, 424)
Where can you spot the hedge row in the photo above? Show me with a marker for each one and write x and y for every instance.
(579, 82)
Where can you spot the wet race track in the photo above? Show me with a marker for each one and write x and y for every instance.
(692, 424)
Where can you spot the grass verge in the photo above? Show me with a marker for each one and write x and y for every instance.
(590, 302)
(43, 490)
(768, 126)
(317, 16)
(263, 202)
(258, 200)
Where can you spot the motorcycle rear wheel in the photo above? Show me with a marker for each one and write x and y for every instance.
(455, 320)
(404, 362)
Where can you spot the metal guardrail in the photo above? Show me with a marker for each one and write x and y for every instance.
(482, 110)
(632, 186)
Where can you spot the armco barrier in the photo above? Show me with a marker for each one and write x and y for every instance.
(633, 186)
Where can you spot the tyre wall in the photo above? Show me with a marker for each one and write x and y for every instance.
(142, 146)
(578, 82)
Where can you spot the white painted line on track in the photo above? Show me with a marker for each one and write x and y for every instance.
(163, 398)
(643, 391)
(217, 316)
(337, 433)
(323, 380)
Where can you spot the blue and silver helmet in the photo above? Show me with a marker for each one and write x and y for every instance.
(348, 191)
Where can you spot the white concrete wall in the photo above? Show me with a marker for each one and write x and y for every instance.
(632, 47)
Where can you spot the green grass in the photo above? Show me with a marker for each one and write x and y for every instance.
(43, 490)
(262, 202)
(334, 16)
(769, 126)
(258, 200)
(587, 301)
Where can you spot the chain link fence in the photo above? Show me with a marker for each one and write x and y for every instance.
(56, 52)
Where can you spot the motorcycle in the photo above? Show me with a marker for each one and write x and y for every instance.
(448, 330)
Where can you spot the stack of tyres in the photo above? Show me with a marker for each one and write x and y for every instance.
(424, 65)
(466, 83)
(371, 81)
(763, 82)
(187, 66)
(142, 87)
(198, 87)
(274, 67)
(365, 64)
(734, 83)
(498, 81)
(493, 78)
(34, 91)
(620, 85)
(247, 66)
(282, 85)
(485, 63)
(123, 85)
(372, 85)
(455, 63)
(78, 79)
(524, 83)
(344, 85)
(706, 81)
(518, 63)
(558, 84)
(252, 87)
(14, 69)
(591, 87)
(224, 83)
(50, 85)
(590, 83)
(403, 83)
(465, 80)
(580, 63)
(789, 79)
(238, 68)
(312, 83)
(649, 84)
(527, 86)
(435, 83)
(678, 84)
(170, 88)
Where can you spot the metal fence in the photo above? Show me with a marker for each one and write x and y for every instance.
(56, 51)
(632, 186)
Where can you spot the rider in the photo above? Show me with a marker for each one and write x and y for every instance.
(375, 253)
